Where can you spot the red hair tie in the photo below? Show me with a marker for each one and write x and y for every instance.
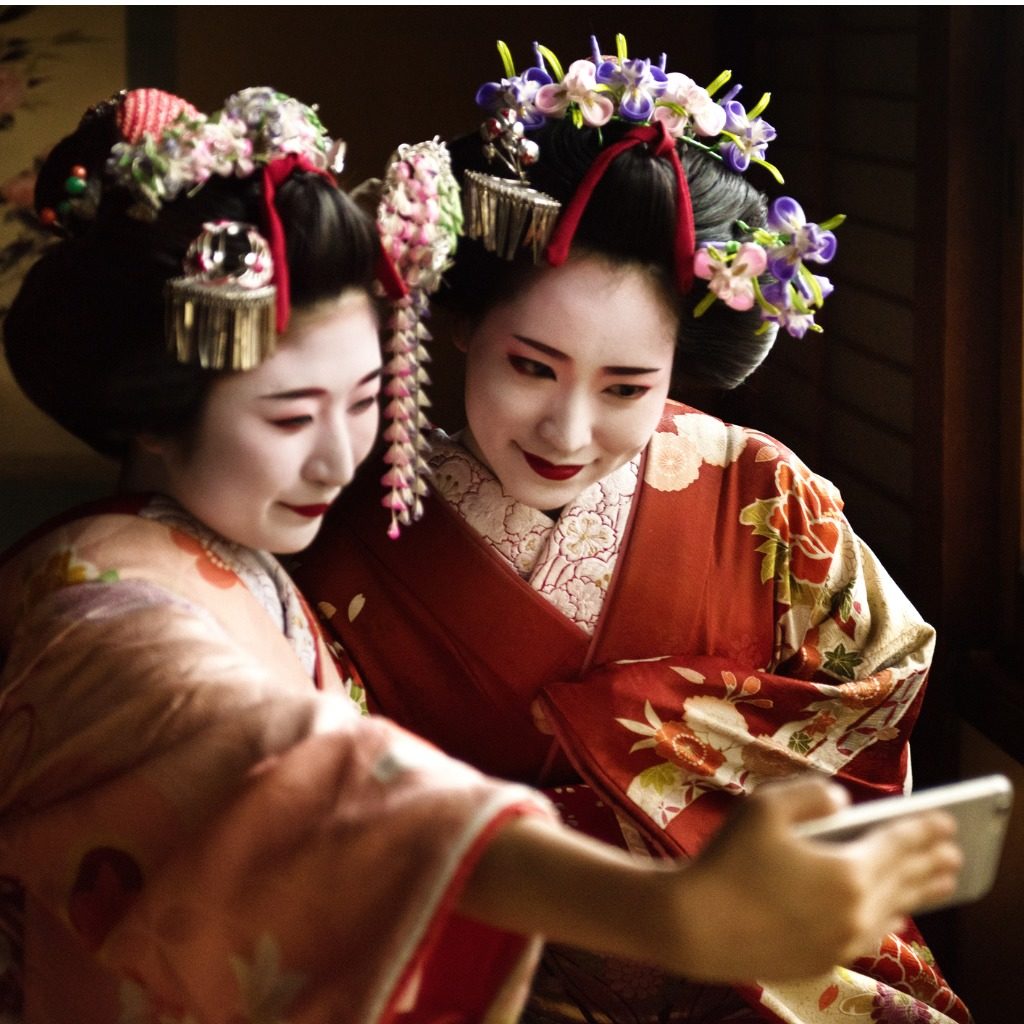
(274, 173)
(662, 144)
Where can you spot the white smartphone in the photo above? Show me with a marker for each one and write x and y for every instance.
(981, 807)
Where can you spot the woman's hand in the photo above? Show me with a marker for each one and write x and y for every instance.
(777, 906)
(758, 903)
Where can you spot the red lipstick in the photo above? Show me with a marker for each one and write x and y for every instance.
(549, 470)
(309, 511)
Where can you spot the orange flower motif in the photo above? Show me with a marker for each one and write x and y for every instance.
(212, 568)
(868, 692)
(768, 759)
(808, 517)
(821, 723)
(680, 745)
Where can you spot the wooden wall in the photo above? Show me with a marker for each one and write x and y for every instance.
(909, 121)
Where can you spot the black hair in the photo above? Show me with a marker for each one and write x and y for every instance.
(85, 336)
(630, 219)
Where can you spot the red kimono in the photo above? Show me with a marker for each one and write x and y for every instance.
(701, 621)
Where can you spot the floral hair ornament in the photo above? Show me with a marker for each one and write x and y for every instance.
(601, 88)
(782, 249)
(169, 148)
(221, 313)
(419, 217)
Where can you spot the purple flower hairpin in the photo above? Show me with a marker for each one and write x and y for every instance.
(782, 249)
(601, 88)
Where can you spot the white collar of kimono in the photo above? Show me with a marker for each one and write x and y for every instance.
(569, 560)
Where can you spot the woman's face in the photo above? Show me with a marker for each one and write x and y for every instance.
(275, 445)
(566, 381)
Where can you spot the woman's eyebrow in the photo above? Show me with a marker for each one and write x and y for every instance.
(554, 353)
(630, 371)
(297, 393)
(317, 392)
(547, 350)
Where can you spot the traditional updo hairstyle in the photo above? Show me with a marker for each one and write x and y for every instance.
(630, 219)
(85, 337)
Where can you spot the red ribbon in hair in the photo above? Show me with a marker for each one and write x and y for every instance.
(662, 145)
(274, 173)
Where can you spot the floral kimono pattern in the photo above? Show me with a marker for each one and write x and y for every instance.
(197, 822)
(699, 623)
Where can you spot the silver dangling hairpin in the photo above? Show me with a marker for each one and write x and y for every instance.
(506, 214)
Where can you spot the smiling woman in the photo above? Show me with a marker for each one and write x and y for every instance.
(185, 771)
(275, 446)
(644, 610)
(566, 381)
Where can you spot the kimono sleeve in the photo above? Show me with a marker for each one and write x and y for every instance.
(801, 655)
(222, 842)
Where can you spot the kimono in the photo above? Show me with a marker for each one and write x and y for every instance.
(197, 824)
(697, 623)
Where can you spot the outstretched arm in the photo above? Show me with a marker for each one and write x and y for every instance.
(811, 905)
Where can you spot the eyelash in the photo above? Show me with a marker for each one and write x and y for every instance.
(533, 368)
(364, 404)
(293, 422)
(637, 391)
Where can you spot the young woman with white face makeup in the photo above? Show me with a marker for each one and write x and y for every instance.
(643, 610)
(275, 446)
(561, 389)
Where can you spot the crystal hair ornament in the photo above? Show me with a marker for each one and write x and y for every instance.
(221, 313)
(599, 89)
(419, 217)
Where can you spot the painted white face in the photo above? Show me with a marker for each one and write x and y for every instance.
(275, 445)
(566, 381)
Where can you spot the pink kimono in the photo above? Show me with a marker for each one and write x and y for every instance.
(701, 621)
(196, 822)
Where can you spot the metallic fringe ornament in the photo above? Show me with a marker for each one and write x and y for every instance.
(220, 326)
(222, 314)
(508, 215)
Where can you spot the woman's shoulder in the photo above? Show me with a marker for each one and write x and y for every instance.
(688, 439)
(109, 542)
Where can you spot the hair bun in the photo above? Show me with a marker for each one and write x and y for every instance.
(149, 110)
